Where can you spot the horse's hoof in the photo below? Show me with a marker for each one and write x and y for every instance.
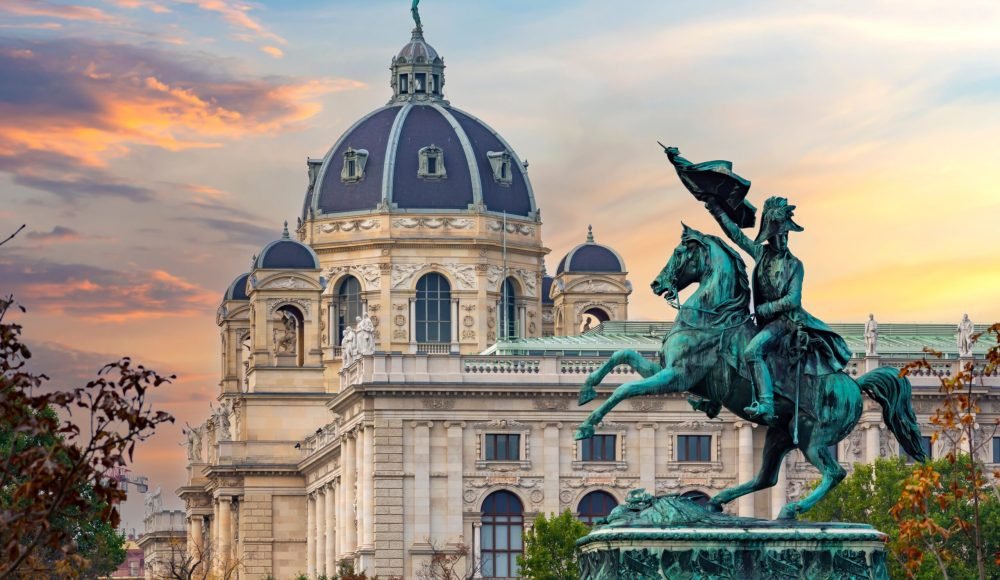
(587, 394)
(713, 507)
(789, 512)
(583, 432)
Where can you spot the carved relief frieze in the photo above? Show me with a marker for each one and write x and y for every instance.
(529, 279)
(350, 226)
(463, 274)
(494, 275)
(468, 334)
(593, 287)
(512, 228)
(551, 403)
(433, 223)
(401, 273)
(645, 405)
(287, 283)
(438, 404)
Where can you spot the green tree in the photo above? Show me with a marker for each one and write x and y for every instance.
(550, 548)
(870, 492)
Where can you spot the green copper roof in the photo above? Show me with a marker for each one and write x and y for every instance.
(896, 340)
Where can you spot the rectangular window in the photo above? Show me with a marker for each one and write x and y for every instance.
(420, 83)
(404, 84)
(503, 447)
(352, 168)
(435, 84)
(432, 165)
(834, 451)
(996, 450)
(925, 442)
(694, 448)
(599, 448)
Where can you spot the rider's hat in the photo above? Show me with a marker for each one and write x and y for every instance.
(776, 219)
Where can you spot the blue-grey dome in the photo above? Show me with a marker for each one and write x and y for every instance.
(286, 254)
(238, 289)
(591, 257)
(387, 145)
(546, 289)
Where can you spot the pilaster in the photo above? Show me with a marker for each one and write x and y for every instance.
(388, 498)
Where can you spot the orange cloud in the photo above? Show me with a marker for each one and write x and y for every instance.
(112, 97)
(236, 14)
(273, 51)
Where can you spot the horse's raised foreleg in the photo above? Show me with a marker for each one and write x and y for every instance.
(829, 468)
(777, 444)
(665, 381)
(644, 367)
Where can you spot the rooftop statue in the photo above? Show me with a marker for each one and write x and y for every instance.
(717, 348)
(416, 14)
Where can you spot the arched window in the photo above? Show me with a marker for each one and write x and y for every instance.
(433, 317)
(595, 505)
(508, 311)
(348, 305)
(698, 497)
(593, 317)
(503, 525)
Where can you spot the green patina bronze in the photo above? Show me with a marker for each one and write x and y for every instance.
(415, 11)
(778, 366)
(673, 537)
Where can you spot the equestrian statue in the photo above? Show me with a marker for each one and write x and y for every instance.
(775, 365)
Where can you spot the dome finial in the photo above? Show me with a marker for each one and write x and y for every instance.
(284, 234)
(590, 234)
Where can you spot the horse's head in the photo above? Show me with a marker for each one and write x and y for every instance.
(687, 264)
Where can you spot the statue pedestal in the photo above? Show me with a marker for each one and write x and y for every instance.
(672, 537)
(286, 360)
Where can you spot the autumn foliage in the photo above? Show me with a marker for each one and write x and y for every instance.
(59, 445)
(925, 494)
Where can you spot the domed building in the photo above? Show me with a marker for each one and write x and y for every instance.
(400, 374)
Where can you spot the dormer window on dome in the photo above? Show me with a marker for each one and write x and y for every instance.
(431, 164)
(354, 165)
(500, 162)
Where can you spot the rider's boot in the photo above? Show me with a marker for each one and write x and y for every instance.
(763, 407)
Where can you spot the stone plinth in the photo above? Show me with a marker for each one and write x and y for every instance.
(672, 537)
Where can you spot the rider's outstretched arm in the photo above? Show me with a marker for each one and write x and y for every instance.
(733, 231)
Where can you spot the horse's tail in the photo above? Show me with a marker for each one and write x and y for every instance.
(893, 393)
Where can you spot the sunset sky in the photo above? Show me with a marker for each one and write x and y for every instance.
(153, 146)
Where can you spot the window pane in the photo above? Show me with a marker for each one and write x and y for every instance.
(996, 450)
(501, 537)
(514, 447)
(490, 447)
(487, 537)
(487, 563)
(501, 447)
(515, 538)
(502, 568)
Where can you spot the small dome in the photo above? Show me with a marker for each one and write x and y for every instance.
(238, 289)
(418, 49)
(591, 257)
(287, 254)
(546, 289)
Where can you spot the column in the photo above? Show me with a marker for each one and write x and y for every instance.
(310, 536)
(455, 323)
(647, 457)
(872, 443)
(319, 501)
(329, 548)
(340, 516)
(745, 503)
(421, 482)
(453, 529)
(522, 321)
(348, 466)
(477, 547)
(367, 486)
(413, 324)
(225, 529)
(779, 493)
(195, 546)
(551, 454)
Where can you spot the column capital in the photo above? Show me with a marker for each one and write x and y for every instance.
(556, 424)
(650, 425)
(427, 424)
(450, 424)
(742, 424)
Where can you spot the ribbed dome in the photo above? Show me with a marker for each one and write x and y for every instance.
(287, 254)
(418, 49)
(546, 289)
(238, 289)
(388, 144)
(591, 257)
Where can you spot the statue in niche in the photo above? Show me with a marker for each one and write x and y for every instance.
(965, 331)
(348, 346)
(365, 335)
(871, 336)
(222, 423)
(193, 442)
(285, 338)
